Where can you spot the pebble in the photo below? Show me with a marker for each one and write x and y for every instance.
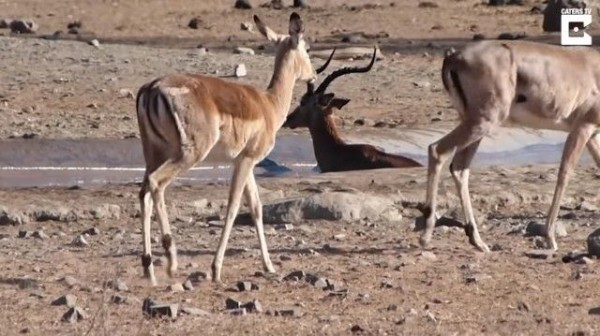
(79, 241)
(68, 300)
(242, 4)
(240, 70)
(95, 43)
(169, 310)
(187, 285)
(117, 284)
(74, 314)
(118, 299)
(194, 311)
(23, 26)
(244, 51)
(195, 23)
(175, 288)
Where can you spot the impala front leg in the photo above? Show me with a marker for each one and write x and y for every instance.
(594, 147)
(243, 168)
(253, 200)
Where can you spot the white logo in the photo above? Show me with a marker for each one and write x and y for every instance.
(573, 22)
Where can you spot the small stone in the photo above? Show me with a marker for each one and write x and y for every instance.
(92, 231)
(187, 285)
(195, 23)
(285, 257)
(247, 26)
(126, 93)
(392, 307)
(594, 311)
(23, 26)
(244, 51)
(194, 311)
(69, 281)
(537, 229)
(198, 276)
(118, 299)
(117, 284)
(79, 241)
(321, 283)
(339, 237)
(237, 311)
(39, 234)
(253, 306)
(242, 4)
(295, 276)
(541, 254)
(522, 306)
(356, 329)
(232, 304)
(427, 255)
(584, 261)
(246, 286)
(95, 43)
(240, 70)
(169, 310)
(289, 311)
(68, 300)
(74, 314)
(387, 283)
(477, 278)
(25, 234)
(175, 288)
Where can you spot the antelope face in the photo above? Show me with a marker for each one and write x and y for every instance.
(313, 109)
(290, 48)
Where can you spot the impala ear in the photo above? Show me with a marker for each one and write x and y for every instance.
(265, 31)
(325, 99)
(296, 24)
(338, 103)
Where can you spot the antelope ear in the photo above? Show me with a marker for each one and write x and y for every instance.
(296, 24)
(338, 103)
(265, 31)
(325, 99)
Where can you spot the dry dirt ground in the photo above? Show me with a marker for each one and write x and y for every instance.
(69, 89)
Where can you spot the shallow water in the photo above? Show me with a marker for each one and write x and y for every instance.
(36, 163)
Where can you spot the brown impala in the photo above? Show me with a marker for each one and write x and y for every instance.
(332, 153)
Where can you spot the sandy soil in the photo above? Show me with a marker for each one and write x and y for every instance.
(69, 89)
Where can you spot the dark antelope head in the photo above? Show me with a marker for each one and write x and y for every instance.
(315, 104)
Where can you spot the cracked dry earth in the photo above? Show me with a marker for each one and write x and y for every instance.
(69, 89)
(393, 286)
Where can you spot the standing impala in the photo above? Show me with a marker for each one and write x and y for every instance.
(183, 117)
(495, 83)
(332, 153)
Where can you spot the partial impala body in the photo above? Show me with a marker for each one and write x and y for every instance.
(183, 117)
(332, 153)
(493, 83)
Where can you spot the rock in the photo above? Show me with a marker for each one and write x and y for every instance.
(232, 304)
(237, 311)
(242, 4)
(253, 306)
(194, 311)
(552, 13)
(58, 214)
(92, 231)
(8, 217)
(175, 288)
(243, 51)
(428, 4)
(537, 229)
(364, 122)
(69, 281)
(95, 43)
(584, 261)
(541, 254)
(594, 311)
(387, 283)
(23, 26)
(74, 314)
(593, 243)
(321, 283)
(422, 84)
(39, 234)
(585, 206)
(5, 23)
(106, 211)
(25, 234)
(79, 241)
(68, 300)
(356, 329)
(477, 278)
(246, 286)
(294, 276)
(288, 311)
(74, 24)
(117, 285)
(126, 93)
(300, 4)
(247, 26)
(427, 255)
(187, 285)
(198, 276)
(195, 23)
(169, 310)
(240, 70)
(118, 299)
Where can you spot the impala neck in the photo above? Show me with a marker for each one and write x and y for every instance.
(325, 136)
(281, 87)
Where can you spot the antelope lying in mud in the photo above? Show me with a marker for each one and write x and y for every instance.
(182, 117)
(517, 83)
(332, 153)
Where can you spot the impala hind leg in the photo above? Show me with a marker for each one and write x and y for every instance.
(593, 146)
(252, 198)
(459, 168)
(146, 205)
(459, 138)
(574, 145)
(243, 168)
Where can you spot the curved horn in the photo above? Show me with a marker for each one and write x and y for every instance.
(344, 71)
(324, 66)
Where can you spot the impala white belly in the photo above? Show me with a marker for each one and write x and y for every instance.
(520, 115)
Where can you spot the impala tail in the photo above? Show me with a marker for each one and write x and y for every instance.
(453, 62)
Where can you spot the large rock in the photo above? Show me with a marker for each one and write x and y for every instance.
(10, 217)
(552, 13)
(333, 206)
(23, 26)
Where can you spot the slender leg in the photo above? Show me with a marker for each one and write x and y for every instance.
(159, 180)
(439, 152)
(593, 146)
(253, 200)
(243, 167)
(571, 153)
(146, 214)
(459, 168)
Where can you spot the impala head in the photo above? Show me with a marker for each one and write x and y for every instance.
(290, 48)
(315, 104)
